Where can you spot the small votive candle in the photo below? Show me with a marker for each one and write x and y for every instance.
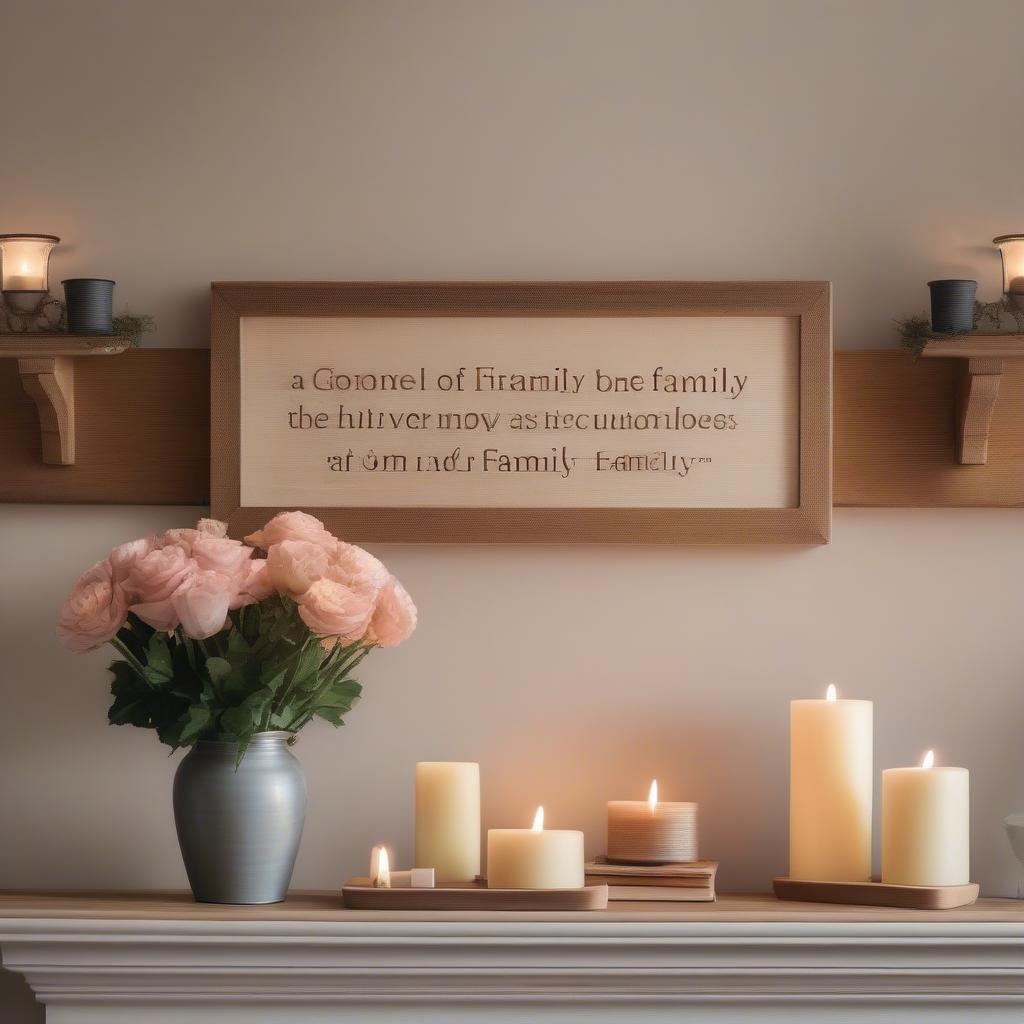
(651, 831)
(534, 858)
(926, 825)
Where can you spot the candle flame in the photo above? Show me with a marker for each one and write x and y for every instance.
(538, 820)
(928, 761)
(382, 879)
(652, 796)
(25, 268)
(830, 693)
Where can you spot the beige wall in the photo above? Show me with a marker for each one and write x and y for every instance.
(872, 143)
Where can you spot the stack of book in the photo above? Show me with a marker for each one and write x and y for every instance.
(693, 882)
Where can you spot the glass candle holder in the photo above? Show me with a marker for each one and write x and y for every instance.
(1011, 249)
(25, 261)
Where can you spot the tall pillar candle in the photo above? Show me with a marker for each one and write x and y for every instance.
(830, 786)
(926, 825)
(448, 819)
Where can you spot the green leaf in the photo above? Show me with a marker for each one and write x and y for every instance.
(237, 721)
(155, 676)
(238, 647)
(337, 700)
(242, 720)
(307, 667)
(347, 688)
(158, 657)
(283, 718)
(197, 720)
(218, 669)
(137, 703)
(274, 685)
(333, 715)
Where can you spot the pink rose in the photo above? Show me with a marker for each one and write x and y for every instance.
(228, 557)
(212, 528)
(124, 556)
(182, 538)
(334, 610)
(357, 569)
(257, 586)
(94, 611)
(152, 582)
(394, 618)
(293, 565)
(186, 537)
(292, 526)
(201, 603)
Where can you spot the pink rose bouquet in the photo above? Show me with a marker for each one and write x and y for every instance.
(223, 638)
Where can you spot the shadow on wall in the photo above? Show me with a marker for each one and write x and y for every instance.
(17, 1004)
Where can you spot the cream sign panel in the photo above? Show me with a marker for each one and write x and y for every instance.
(530, 412)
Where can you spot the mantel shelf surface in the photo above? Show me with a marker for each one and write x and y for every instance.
(159, 957)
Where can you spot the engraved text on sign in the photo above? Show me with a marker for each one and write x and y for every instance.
(529, 412)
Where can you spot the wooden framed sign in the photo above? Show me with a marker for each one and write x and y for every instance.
(590, 411)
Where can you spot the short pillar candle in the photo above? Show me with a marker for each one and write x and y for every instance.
(831, 777)
(651, 831)
(448, 819)
(926, 825)
(534, 858)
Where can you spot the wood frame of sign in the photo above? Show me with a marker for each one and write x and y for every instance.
(807, 521)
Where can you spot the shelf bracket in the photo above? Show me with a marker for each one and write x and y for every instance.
(982, 358)
(50, 382)
(979, 389)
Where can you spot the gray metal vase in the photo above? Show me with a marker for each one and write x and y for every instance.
(239, 831)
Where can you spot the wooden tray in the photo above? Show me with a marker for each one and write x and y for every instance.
(875, 894)
(360, 895)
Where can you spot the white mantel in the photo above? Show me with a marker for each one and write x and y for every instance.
(161, 959)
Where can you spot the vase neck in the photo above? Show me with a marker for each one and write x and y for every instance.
(272, 738)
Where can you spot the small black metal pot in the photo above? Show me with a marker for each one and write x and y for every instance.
(90, 303)
(952, 306)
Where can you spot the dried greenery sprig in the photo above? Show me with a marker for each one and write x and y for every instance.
(916, 331)
(132, 326)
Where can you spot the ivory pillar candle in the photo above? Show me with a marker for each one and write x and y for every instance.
(534, 858)
(448, 819)
(651, 831)
(830, 786)
(926, 825)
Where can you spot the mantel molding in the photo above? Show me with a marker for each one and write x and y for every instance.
(91, 969)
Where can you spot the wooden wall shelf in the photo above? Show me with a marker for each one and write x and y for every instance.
(982, 361)
(46, 365)
(143, 434)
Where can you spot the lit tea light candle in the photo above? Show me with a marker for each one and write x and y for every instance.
(534, 858)
(383, 877)
(926, 825)
(380, 868)
(830, 785)
(651, 831)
